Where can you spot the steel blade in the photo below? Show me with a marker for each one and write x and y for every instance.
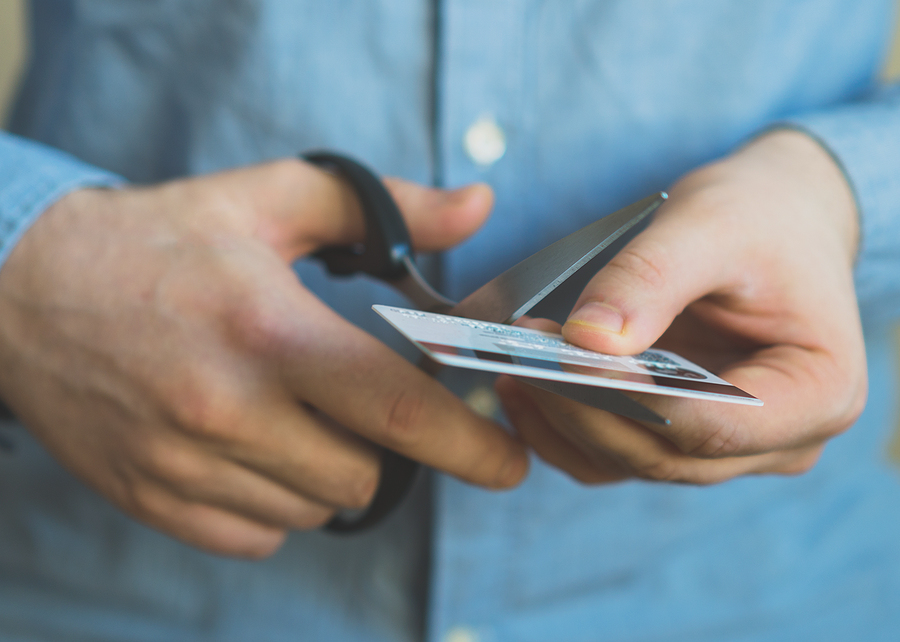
(513, 293)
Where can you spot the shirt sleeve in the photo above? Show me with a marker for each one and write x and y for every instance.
(33, 177)
(864, 139)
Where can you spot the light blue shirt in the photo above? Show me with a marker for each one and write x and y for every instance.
(600, 103)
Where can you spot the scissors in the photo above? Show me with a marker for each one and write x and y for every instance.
(386, 253)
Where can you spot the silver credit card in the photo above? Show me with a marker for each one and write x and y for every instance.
(496, 347)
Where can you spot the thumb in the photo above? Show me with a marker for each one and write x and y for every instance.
(297, 208)
(438, 219)
(302, 208)
(631, 302)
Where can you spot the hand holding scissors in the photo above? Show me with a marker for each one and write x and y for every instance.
(158, 344)
(387, 254)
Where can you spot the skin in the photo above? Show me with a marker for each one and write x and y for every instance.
(158, 344)
(156, 341)
(747, 270)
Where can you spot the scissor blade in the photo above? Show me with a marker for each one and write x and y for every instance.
(513, 293)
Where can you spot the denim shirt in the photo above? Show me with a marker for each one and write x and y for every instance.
(598, 103)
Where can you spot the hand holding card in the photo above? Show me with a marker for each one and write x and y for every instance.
(747, 270)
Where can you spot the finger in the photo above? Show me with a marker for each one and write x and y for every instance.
(529, 422)
(805, 365)
(650, 456)
(809, 397)
(198, 476)
(629, 303)
(300, 207)
(435, 218)
(316, 357)
(250, 417)
(307, 453)
(370, 389)
(438, 219)
(208, 527)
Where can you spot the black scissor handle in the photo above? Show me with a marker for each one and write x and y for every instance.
(387, 240)
(382, 254)
(397, 476)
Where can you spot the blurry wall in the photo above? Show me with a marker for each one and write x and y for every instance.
(892, 67)
(12, 49)
(12, 55)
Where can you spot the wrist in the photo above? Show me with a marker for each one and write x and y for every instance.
(809, 169)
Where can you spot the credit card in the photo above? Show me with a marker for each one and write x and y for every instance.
(495, 347)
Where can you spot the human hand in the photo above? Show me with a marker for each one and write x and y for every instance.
(159, 345)
(747, 270)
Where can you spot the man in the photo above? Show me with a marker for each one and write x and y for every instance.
(158, 347)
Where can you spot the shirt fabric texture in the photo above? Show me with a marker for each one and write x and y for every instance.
(601, 103)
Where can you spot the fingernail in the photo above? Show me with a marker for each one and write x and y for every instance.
(477, 192)
(600, 316)
(514, 470)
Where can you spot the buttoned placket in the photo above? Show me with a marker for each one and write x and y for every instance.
(479, 92)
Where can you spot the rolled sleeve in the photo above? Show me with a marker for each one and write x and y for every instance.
(864, 138)
(33, 177)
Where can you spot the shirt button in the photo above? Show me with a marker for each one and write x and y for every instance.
(461, 634)
(485, 142)
(483, 401)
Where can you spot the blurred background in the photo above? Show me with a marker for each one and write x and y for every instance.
(14, 47)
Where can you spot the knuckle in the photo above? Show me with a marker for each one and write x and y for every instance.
(846, 392)
(401, 419)
(259, 324)
(487, 469)
(853, 407)
(709, 193)
(708, 477)
(361, 491)
(176, 467)
(672, 470)
(662, 468)
(202, 409)
(801, 464)
(857, 406)
(723, 440)
(646, 261)
(140, 500)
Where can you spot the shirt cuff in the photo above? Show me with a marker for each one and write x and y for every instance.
(864, 139)
(32, 178)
